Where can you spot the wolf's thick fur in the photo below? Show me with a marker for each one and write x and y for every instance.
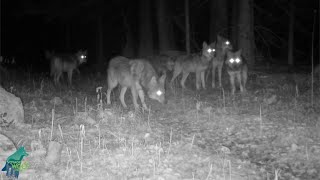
(222, 47)
(135, 74)
(197, 63)
(162, 63)
(237, 67)
(60, 63)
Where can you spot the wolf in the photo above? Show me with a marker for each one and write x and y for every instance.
(67, 62)
(222, 47)
(196, 63)
(237, 67)
(135, 74)
(162, 63)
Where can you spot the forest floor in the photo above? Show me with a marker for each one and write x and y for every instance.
(270, 132)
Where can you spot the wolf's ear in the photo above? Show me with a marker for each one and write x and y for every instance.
(153, 81)
(213, 45)
(219, 38)
(204, 44)
(163, 78)
(239, 52)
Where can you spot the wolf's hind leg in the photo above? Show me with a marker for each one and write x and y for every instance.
(111, 85)
(183, 79)
(177, 70)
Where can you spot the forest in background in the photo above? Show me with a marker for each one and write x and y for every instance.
(277, 30)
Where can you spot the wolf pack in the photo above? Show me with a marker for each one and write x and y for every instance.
(148, 75)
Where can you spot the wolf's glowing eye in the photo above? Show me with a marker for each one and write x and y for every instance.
(83, 56)
(237, 60)
(159, 93)
(211, 50)
(231, 60)
(227, 42)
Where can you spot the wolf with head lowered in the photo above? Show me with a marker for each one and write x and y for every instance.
(195, 63)
(67, 62)
(135, 74)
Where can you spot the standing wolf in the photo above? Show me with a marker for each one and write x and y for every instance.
(162, 63)
(222, 47)
(237, 67)
(135, 74)
(197, 63)
(60, 63)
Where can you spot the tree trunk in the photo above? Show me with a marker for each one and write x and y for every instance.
(164, 29)
(68, 36)
(246, 33)
(146, 40)
(291, 35)
(218, 19)
(100, 57)
(128, 49)
(0, 29)
(235, 22)
(187, 24)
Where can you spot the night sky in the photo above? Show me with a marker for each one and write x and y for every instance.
(29, 27)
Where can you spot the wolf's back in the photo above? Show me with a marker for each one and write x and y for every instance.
(143, 71)
(119, 71)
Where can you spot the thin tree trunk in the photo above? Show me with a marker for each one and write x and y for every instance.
(213, 31)
(235, 21)
(219, 19)
(246, 34)
(146, 40)
(100, 40)
(0, 29)
(181, 27)
(68, 36)
(164, 33)
(187, 22)
(291, 35)
(128, 49)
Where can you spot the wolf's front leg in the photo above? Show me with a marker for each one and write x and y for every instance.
(220, 74)
(233, 88)
(198, 80)
(70, 76)
(203, 80)
(244, 77)
(141, 96)
(214, 66)
(239, 81)
(122, 93)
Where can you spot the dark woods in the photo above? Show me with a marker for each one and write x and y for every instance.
(264, 30)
